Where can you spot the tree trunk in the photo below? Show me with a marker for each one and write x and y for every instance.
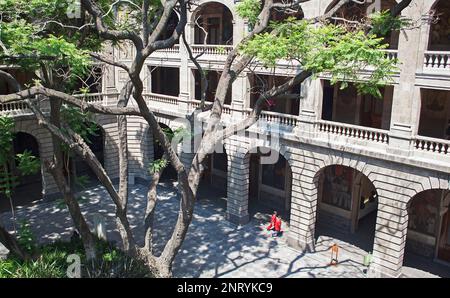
(10, 242)
(56, 169)
(152, 197)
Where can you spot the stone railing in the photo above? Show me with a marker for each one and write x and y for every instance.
(208, 49)
(91, 97)
(275, 117)
(173, 50)
(354, 131)
(391, 54)
(14, 108)
(280, 118)
(426, 144)
(437, 60)
(161, 98)
(194, 104)
(226, 109)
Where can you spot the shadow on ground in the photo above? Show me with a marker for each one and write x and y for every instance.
(213, 246)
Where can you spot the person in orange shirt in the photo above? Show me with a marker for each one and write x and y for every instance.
(273, 219)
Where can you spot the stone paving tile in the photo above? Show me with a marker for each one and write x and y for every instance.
(213, 246)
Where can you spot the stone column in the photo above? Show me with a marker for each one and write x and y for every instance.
(49, 188)
(390, 235)
(240, 30)
(403, 119)
(240, 96)
(185, 74)
(303, 209)
(238, 183)
(311, 96)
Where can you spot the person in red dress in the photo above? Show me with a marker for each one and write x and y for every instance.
(277, 228)
(273, 219)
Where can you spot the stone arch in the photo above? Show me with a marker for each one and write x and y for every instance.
(347, 203)
(259, 192)
(342, 160)
(30, 187)
(438, 37)
(228, 4)
(431, 182)
(329, 3)
(44, 141)
(282, 149)
(431, 4)
(166, 121)
(97, 143)
(428, 226)
(228, 14)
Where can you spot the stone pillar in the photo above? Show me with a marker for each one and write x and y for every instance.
(238, 184)
(403, 119)
(240, 96)
(390, 235)
(109, 80)
(185, 74)
(140, 149)
(303, 209)
(240, 30)
(311, 96)
(49, 187)
(424, 38)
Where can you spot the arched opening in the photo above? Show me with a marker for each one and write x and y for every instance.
(346, 210)
(216, 168)
(169, 172)
(213, 24)
(270, 183)
(440, 28)
(428, 239)
(81, 174)
(214, 181)
(353, 12)
(281, 15)
(23, 77)
(29, 187)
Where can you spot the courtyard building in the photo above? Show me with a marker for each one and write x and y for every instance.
(375, 172)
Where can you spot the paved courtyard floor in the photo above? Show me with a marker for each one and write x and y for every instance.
(213, 246)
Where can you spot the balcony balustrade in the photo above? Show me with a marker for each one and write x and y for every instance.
(437, 61)
(354, 131)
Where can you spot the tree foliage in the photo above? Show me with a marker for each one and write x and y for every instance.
(326, 49)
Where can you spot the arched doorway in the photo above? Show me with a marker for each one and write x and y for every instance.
(29, 187)
(169, 172)
(81, 173)
(428, 236)
(270, 183)
(347, 205)
(213, 24)
(439, 39)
